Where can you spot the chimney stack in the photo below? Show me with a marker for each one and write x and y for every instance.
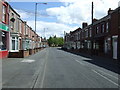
(110, 11)
(84, 24)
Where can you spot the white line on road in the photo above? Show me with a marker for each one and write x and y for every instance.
(108, 74)
(79, 62)
(44, 72)
(105, 77)
(28, 61)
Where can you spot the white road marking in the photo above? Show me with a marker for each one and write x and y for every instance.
(105, 77)
(44, 72)
(28, 60)
(79, 62)
(108, 74)
(86, 58)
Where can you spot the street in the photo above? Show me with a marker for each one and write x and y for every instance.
(55, 68)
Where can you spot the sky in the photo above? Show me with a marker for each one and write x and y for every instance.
(60, 15)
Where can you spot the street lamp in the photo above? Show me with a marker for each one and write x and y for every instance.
(44, 32)
(36, 12)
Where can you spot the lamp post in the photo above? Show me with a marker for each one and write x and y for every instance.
(45, 32)
(36, 13)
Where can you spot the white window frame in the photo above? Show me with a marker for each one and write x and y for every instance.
(16, 42)
(4, 13)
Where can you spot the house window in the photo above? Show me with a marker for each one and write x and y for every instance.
(12, 21)
(97, 30)
(17, 25)
(12, 25)
(86, 33)
(14, 43)
(4, 13)
(107, 25)
(89, 44)
(20, 27)
(27, 45)
(26, 30)
(79, 35)
(103, 28)
(82, 34)
(90, 33)
(3, 40)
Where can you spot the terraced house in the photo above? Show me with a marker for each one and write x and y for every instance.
(103, 39)
(17, 38)
(4, 29)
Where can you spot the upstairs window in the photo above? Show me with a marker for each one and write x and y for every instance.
(12, 21)
(26, 30)
(107, 25)
(17, 25)
(86, 33)
(20, 27)
(97, 30)
(90, 32)
(103, 28)
(4, 13)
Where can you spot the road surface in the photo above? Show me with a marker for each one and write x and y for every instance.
(55, 68)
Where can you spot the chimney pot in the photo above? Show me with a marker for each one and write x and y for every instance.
(84, 24)
(109, 11)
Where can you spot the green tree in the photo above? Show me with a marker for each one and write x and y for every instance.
(55, 41)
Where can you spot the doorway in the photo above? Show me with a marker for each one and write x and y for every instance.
(115, 47)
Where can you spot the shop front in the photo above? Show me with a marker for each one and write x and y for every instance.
(4, 40)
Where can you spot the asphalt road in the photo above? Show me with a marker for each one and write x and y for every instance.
(55, 68)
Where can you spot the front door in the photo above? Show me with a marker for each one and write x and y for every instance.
(115, 47)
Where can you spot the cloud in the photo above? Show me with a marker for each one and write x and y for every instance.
(26, 14)
(78, 11)
(50, 29)
(72, 12)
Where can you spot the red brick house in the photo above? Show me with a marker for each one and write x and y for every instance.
(104, 36)
(4, 29)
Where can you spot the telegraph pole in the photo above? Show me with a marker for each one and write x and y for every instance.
(118, 50)
(118, 34)
(92, 29)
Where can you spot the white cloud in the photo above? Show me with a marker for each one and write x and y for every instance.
(24, 14)
(51, 28)
(78, 11)
(73, 12)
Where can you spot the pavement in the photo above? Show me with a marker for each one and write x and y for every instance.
(55, 68)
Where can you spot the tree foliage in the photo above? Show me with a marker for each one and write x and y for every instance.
(55, 41)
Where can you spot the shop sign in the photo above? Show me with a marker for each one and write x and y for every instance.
(4, 27)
